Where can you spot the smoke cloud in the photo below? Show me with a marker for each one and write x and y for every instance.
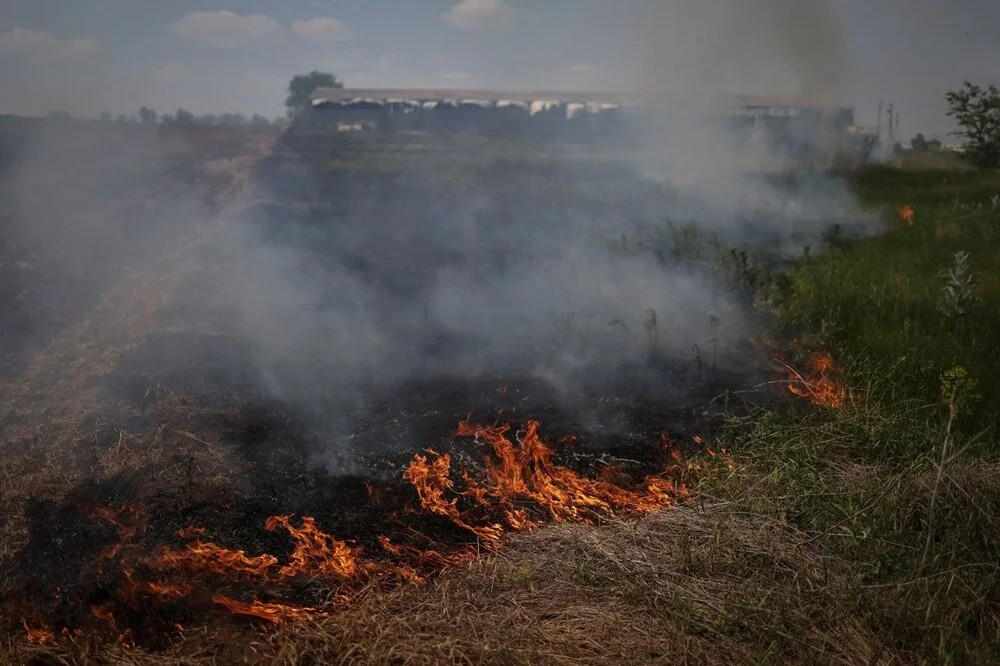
(347, 271)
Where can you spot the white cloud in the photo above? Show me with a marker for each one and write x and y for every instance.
(475, 14)
(324, 28)
(456, 77)
(225, 28)
(43, 47)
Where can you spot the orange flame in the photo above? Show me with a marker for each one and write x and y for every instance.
(190, 532)
(316, 552)
(271, 612)
(207, 555)
(520, 488)
(906, 214)
(431, 481)
(818, 387)
(430, 557)
(524, 472)
(38, 634)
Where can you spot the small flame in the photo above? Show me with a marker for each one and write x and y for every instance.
(270, 612)
(38, 634)
(906, 214)
(207, 555)
(818, 386)
(190, 532)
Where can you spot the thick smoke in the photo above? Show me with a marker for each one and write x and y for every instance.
(766, 48)
(435, 282)
(694, 61)
(536, 268)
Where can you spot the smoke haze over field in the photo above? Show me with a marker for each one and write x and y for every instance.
(472, 260)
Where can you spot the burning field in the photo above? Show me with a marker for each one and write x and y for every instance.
(324, 377)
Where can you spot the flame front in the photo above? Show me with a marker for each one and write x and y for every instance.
(518, 488)
(522, 475)
(270, 612)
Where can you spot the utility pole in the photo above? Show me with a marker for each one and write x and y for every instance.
(878, 123)
(892, 128)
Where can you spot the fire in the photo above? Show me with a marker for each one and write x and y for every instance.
(523, 473)
(125, 531)
(271, 612)
(207, 555)
(38, 634)
(316, 552)
(906, 214)
(133, 588)
(818, 387)
(432, 481)
(190, 532)
(430, 557)
(519, 488)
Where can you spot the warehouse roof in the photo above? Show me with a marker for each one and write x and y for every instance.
(334, 95)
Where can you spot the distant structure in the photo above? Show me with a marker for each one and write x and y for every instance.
(793, 124)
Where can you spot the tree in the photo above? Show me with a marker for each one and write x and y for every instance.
(977, 112)
(919, 144)
(259, 120)
(302, 86)
(232, 120)
(147, 116)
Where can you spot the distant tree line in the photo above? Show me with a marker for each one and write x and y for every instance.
(300, 90)
(921, 144)
(182, 116)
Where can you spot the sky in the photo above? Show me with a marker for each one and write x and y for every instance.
(88, 56)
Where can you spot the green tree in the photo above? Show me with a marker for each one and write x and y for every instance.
(977, 112)
(302, 86)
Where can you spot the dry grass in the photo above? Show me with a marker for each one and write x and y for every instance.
(687, 586)
(55, 427)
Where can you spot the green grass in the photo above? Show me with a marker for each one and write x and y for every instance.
(863, 481)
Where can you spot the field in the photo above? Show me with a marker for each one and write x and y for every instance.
(854, 524)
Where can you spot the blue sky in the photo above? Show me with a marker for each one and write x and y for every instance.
(92, 55)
